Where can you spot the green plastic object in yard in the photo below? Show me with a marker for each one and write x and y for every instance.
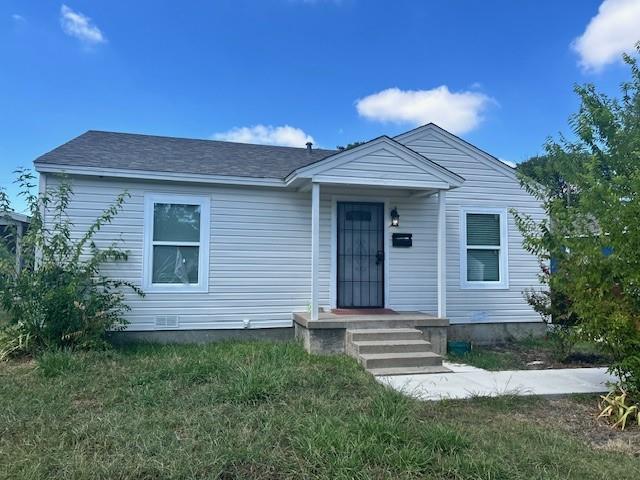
(458, 348)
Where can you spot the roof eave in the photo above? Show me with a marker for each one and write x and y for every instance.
(158, 175)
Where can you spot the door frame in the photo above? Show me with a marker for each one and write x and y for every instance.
(333, 279)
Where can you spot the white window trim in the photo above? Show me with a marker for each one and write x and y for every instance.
(203, 253)
(503, 257)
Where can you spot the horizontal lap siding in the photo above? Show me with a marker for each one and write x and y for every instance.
(381, 165)
(413, 271)
(484, 186)
(259, 253)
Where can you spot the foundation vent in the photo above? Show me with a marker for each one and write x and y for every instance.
(167, 321)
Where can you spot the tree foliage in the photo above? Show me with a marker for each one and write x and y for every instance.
(59, 298)
(590, 190)
(349, 146)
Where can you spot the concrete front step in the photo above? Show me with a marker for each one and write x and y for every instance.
(389, 360)
(373, 334)
(390, 346)
(393, 351)
(378, 372)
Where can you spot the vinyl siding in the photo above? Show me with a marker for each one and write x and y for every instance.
(381, 164)
(486, 185)
(259, 253)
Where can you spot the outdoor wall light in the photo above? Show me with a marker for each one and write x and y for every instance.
(395, 217)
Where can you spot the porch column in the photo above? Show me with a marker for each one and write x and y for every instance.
(315, 247)
(442, 254)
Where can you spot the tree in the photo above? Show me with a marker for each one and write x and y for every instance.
(590, 190)
(546, 171)
(350, 145)
(59, 299)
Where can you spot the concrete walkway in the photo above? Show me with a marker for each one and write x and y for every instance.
(465, 382)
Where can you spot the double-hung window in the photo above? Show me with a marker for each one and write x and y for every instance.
(483, 248)
(176, 252)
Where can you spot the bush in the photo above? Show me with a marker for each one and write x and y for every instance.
(555, 310)
(59, 299)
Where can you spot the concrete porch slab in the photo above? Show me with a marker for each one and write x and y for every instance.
(381, 320)
(467, 382)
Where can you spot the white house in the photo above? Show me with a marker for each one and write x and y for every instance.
(248, 240)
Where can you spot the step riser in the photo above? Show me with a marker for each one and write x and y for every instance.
(401, 362)
(425, 347)
(408, 370)
(358, 337)
(396, 350)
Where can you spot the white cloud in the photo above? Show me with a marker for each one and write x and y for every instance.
(77, 25)
(614, 30)
(17, 17)
(284, 135)
(458, 112)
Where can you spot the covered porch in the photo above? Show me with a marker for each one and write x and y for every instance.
(390, 260)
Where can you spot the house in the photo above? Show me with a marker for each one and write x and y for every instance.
(229, 239)
(12, 227)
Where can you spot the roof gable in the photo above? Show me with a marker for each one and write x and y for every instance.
(377, 162)
(434, 131)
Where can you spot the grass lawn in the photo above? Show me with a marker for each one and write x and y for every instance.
(258, 410)
(530, 353)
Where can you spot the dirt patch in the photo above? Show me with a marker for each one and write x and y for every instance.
(578, 416)
(541, 357)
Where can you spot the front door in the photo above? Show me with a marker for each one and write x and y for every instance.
(360, 255)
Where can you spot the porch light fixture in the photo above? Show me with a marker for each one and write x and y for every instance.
(395, 217)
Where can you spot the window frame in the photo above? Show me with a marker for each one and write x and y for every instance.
(203, 201)
(503, 248)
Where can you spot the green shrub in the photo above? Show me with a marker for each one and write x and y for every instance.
(13, 340)
(59, 299)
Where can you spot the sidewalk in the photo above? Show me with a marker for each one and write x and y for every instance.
(465, 381)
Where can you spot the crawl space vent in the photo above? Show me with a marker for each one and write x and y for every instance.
(167, 321)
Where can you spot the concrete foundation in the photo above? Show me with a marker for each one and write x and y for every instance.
(495, 333)
(203, 336)
(330, 338)
(321, 341)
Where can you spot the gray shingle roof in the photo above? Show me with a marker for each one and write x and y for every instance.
(180, 155)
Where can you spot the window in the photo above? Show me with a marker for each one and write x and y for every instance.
(483, 253)
(176, 253)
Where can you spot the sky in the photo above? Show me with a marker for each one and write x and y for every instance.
(498, 73)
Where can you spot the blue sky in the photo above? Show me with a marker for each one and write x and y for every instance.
(498, 73)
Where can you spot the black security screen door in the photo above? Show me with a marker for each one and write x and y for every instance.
(360, 255)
